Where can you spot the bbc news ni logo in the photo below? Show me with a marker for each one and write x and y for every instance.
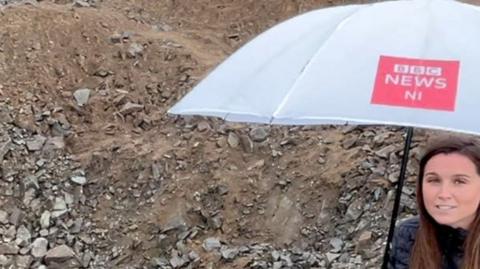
(419, 83)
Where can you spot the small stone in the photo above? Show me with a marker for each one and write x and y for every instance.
(80, 180)
(10, 234)
(59, 254)
(130, 108)
(193, 256)
(8, 249)
(211, 244)
(45, 220)
(44, 232)
(53, 143)
(102, 73)
(160, 262)
(349, 142)
(39, 247)
(229, 253)
(364, 238)
(16, 217)
(277, 265)
(134, 50)
(393, 177)
(337, 244)
(247, 143)
(31, 181)
(116, 38)
(3, 217)
(332, 256)
(23, 236)
(354, 210)
(203, 126)
(23, 262)
(4, 149)
(275, 255)
(80, 3)
(36, 142)
(259, 134)
(386, 151)
(60, 204)
(81, 96)
(177, 261)
(233, 140)
(4, 261)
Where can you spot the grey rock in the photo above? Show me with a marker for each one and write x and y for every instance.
(16, 217)
(45, 219)
(277, 265)
(193, 256)
(135, 50)
(23, 236)
(23, 261)
(80, 180)
(393, 177)
(386, 151)
(211, 244)
(80, 3)
(116, 38)
(53, 143)
(60, 204)
(130, 108)
(364, 238)
(3, 217)
(229, 253)
(8, 249)
(354, 210)
(259, 134)
(337, 244)
(30, 181)
(177, 261)
(58, 254)
(349, 142)
(233, 140)
(82, 96)
(275, 255)
(332, 256)
(5, 261)
(203, 126)
(160, 261)
(39, 247)
(10, 234)
(36, 142)
(28, 196)
(4, 148)
(247, 143)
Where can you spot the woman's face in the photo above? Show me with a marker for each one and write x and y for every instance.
(451, 189)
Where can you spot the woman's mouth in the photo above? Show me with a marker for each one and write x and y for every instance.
(445, 207)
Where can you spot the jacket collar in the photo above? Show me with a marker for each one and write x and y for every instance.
(451, 239)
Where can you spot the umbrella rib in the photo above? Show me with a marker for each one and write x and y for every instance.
(307, 65)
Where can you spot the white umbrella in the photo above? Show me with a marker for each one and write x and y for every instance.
(408, 63)
(413, 63)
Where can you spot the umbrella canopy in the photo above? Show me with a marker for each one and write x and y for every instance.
(409, 63)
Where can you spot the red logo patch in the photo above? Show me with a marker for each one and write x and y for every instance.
(430, 84)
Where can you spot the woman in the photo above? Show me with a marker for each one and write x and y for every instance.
(446, 234)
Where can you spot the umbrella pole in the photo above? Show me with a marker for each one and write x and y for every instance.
(396, 205)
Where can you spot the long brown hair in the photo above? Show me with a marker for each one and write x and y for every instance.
(426, 252)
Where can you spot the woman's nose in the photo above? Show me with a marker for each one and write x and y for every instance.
(444, 192)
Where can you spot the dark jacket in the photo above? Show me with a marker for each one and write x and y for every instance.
(450, 240)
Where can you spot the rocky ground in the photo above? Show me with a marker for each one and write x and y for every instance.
(94, 174)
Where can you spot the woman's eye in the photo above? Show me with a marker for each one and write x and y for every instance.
(459, 181)
(433, 180)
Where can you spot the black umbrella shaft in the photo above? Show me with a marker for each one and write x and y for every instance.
(396, 205)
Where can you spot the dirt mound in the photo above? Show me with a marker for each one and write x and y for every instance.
(83, 93)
